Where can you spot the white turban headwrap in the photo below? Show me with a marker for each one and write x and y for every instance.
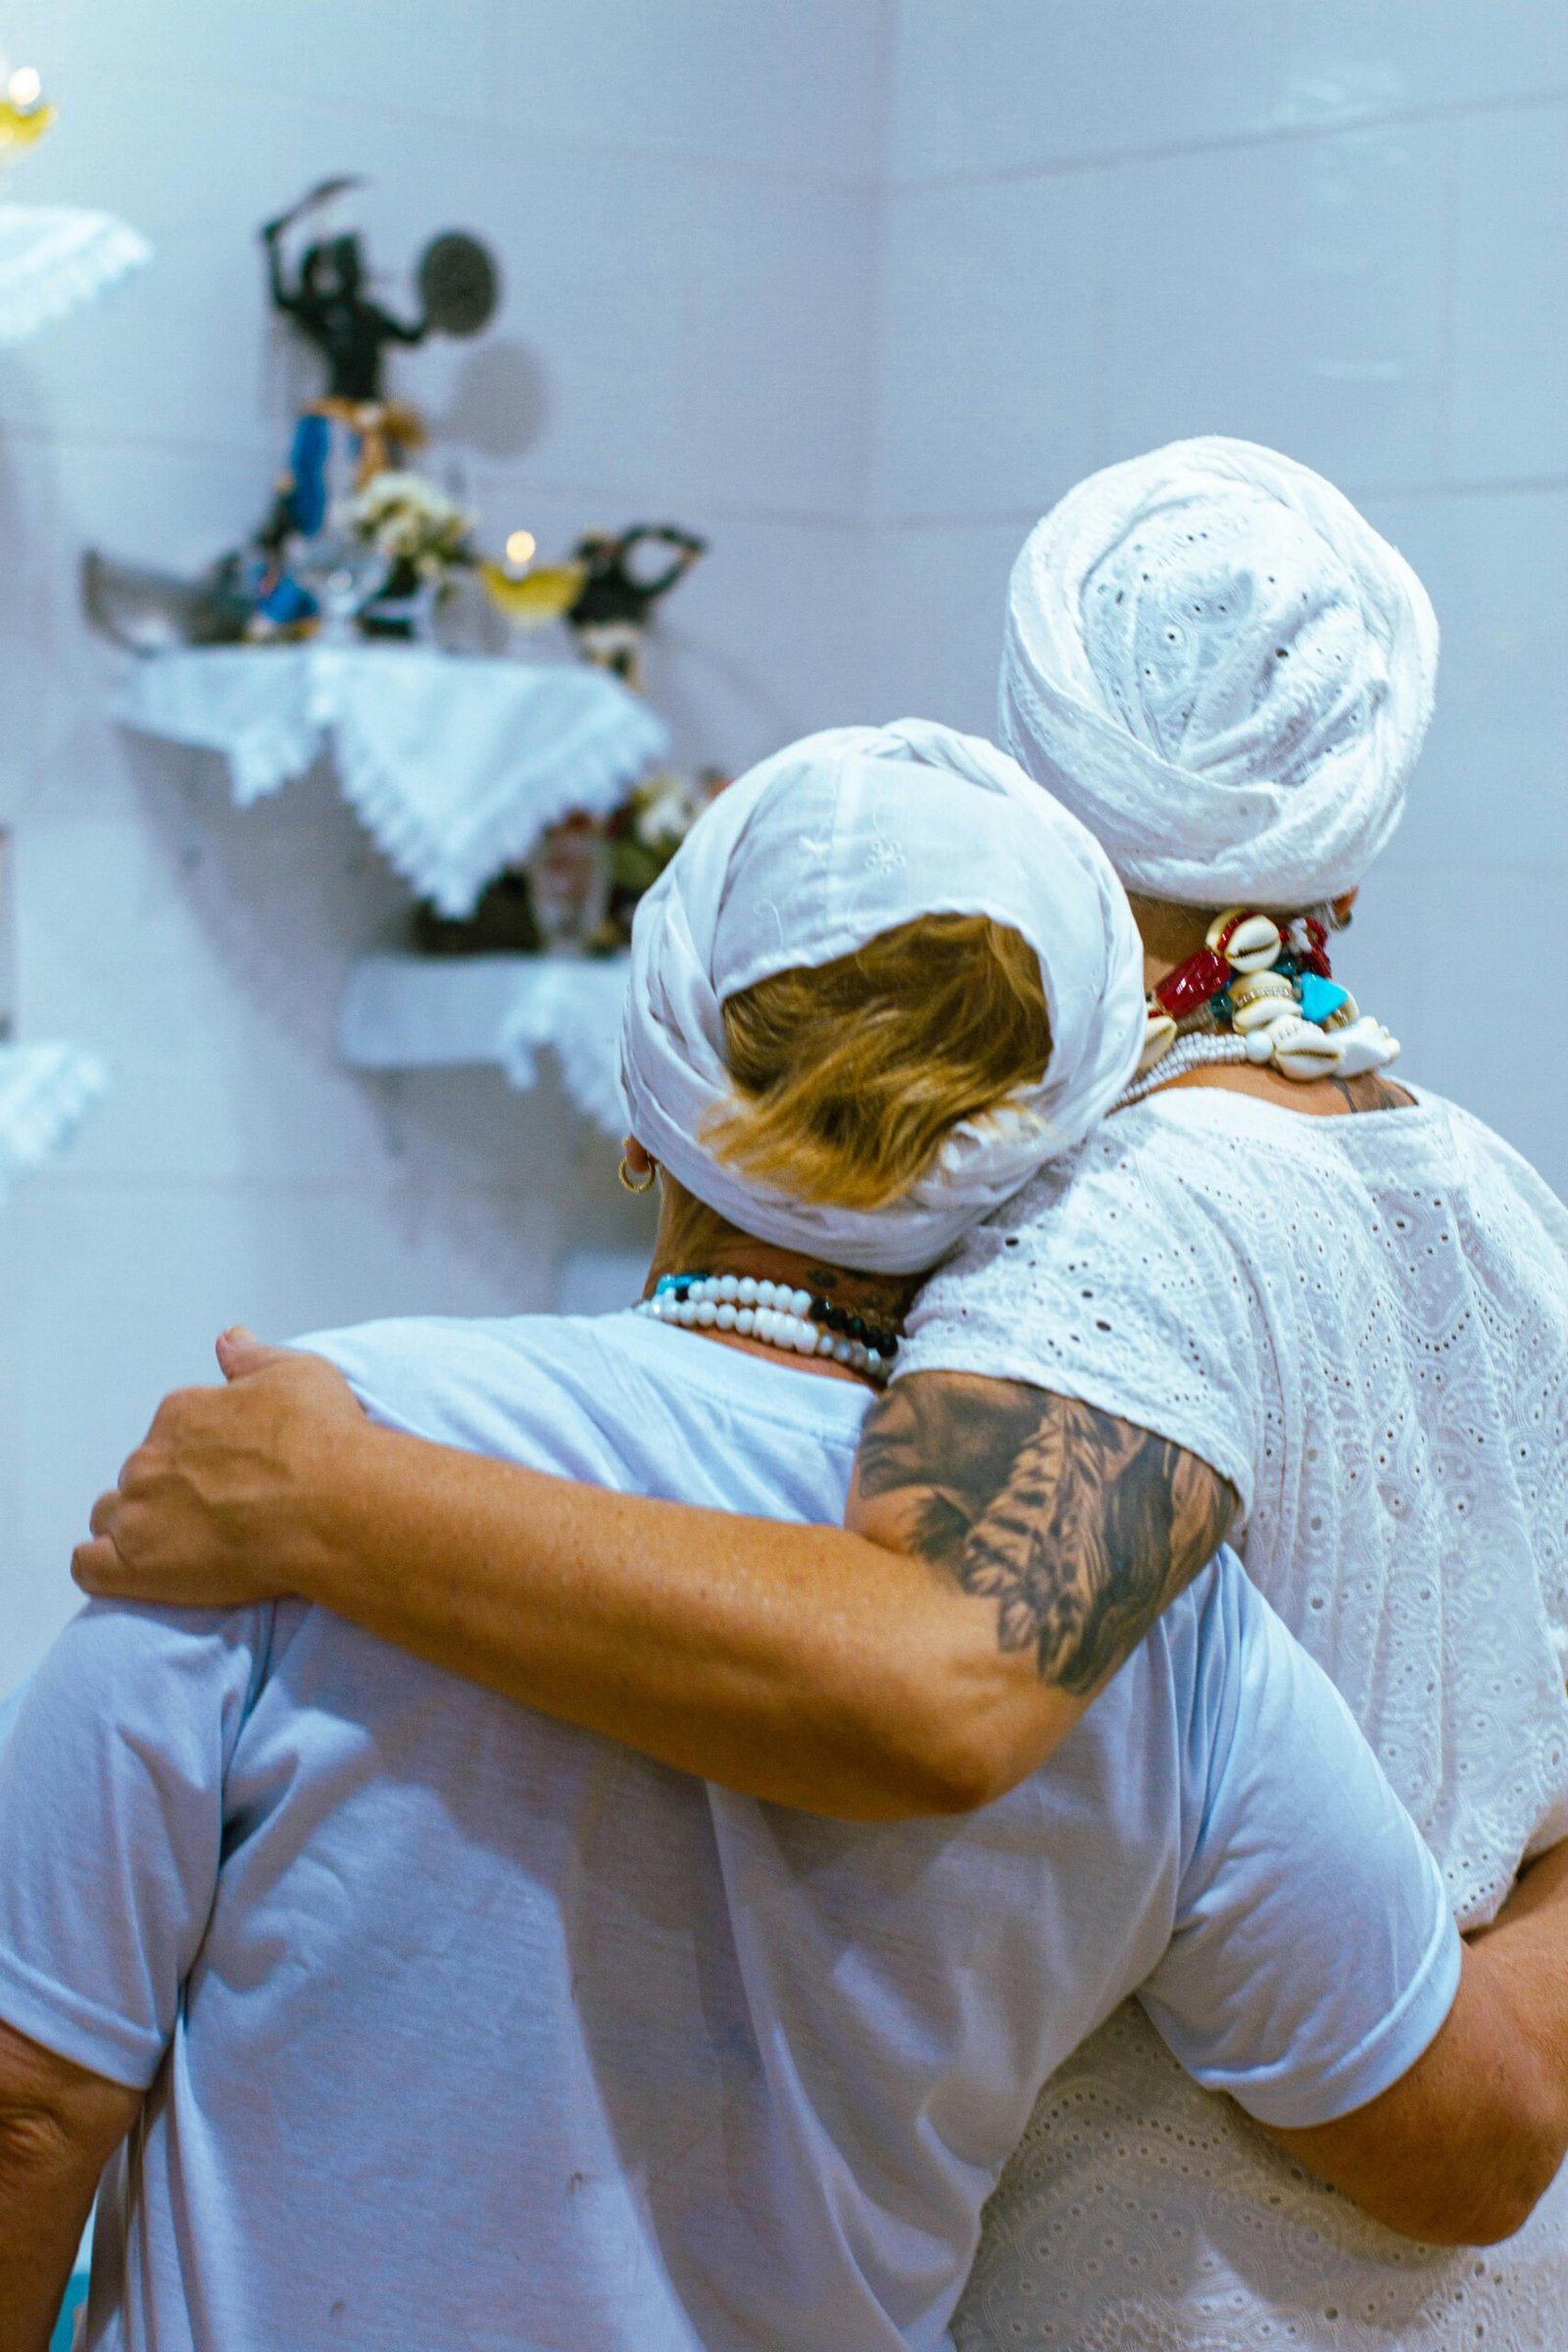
(1216, 663)
(807, 857)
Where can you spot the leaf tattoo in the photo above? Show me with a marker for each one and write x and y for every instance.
(1079, 1525)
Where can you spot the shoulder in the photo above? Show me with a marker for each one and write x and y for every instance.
(1496, 1171)
(1164, 1177)
(407, 1367)
(548, 1392)
(158, 1688)
(1141, 1237)
(1125, 1277)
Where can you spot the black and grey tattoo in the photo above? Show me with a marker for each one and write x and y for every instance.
(1080, 1525)
(1371, 1091)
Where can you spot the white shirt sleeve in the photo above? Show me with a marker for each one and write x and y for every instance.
(112, 1826)
(1314, 1954)
(1108, 1280)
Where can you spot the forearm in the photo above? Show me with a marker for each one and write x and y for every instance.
(1005, 1550)
(1460, 2149)
(801, 1664)
(44, 2202)
(1525, 1952)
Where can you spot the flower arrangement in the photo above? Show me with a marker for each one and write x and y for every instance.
(649, 827)
(643, 835)
(579, 888)
(423, 534)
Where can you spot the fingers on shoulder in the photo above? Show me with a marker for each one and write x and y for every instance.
(97, 1568)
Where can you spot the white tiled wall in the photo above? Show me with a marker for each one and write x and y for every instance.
(856, 287)
(1339, 225)
(683, 196)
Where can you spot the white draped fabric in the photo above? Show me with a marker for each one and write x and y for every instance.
(454, 764)
(45, 1091)
(423, 1013)
(1219, 666)
(55, 256)
(833, 841)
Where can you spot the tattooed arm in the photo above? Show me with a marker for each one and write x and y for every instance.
(1076, 1526)
(1012, 1548)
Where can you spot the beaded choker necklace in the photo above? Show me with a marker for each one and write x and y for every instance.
(1262, 993)
(806, 1322)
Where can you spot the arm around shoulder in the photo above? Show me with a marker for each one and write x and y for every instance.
(1007, 1549)
(1071, 1528)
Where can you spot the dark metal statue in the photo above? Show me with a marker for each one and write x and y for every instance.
(615, 601)
(330, 309)
(329, 305)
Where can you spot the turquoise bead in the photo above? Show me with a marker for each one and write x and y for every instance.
(1319, 998)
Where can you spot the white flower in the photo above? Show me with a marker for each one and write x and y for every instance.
(407, 519)
(666, 809)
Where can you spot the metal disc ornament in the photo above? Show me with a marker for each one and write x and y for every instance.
(459, 284)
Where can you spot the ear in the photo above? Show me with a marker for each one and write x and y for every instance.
(1343, 904)
(638, 1160)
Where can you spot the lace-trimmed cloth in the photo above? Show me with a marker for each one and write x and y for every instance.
(1362, 1322)
(454, 764)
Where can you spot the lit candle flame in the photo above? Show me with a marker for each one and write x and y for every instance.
(522, 548)
(24, 89)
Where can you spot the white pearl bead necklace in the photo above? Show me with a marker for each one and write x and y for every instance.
(1186, 1053)
(771, 1311)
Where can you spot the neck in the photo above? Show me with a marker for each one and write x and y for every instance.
(878, 1298)
(693, 1238)
(1169, 933)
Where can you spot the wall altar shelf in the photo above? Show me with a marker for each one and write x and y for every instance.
(455, 764)
(423, 1013)
(55, 256)
(45, 1090)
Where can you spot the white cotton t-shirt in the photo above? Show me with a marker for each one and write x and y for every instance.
(1362, 1321)
(459, 2025)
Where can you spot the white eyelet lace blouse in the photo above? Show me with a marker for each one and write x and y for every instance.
(1362, 1322)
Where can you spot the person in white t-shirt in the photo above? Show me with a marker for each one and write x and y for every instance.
(419, 2016)
(1345, 1336)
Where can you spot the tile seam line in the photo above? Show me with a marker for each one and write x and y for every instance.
(1234, 143)
(1014, 518)
(890, 44)
(152, 445)
(500, 128)
(386, 1193)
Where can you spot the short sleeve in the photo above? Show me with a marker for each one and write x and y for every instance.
(112, 1826)
(1314, 1955)
(1113, 1278)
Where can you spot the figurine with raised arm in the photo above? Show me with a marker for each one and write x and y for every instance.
(613, 609)
(353, 431)
(328, 304)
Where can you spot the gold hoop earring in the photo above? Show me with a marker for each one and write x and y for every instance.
(629, 1182)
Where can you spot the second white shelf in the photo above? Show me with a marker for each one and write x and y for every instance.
(422, 1012)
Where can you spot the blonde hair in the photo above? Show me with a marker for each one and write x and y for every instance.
(850, 1075)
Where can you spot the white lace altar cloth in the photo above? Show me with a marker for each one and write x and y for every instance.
(55, 256)
(405, 1013)
(454, 764)
(1363, 1322)
(45, 1091)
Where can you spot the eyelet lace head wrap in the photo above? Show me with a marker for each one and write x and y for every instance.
(1216, 663)
(821, 848)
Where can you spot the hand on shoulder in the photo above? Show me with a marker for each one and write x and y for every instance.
(219, 1505)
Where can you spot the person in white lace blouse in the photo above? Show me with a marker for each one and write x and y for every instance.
(1333, 1313)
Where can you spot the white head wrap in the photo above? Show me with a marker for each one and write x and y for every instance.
(1217, 664)
(821, 848)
